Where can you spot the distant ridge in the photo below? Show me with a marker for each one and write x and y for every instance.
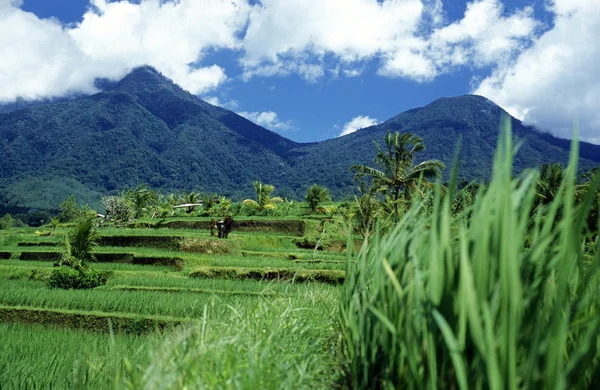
(145, 128)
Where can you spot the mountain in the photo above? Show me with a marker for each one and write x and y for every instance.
(145, 128)
(472, 120)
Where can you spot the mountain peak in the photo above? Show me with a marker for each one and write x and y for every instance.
(143, 75)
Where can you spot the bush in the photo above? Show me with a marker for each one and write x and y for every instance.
(117, 210)
(77, 278)
(7, 222)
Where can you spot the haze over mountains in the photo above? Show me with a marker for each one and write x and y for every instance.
(145, 129)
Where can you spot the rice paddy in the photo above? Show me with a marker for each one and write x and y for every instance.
(493, 294)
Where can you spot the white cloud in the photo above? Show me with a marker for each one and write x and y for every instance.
(553, 83)
(359, 122)
(408, 36)
(42, 58)
(230, 104)
(268, 120)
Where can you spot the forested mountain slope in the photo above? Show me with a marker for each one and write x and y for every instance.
(146, 129)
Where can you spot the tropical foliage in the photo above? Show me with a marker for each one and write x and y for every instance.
(264, 200)
(486, 298)
(398, 175)
(315, 195)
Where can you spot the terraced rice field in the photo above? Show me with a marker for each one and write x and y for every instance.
(255, 310)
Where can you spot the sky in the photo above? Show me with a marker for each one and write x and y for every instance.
(317, 69)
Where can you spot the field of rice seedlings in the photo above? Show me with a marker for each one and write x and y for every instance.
(486, 289)
(261, 329)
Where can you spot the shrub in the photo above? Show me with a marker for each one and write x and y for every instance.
(117, 209)
(7, 222)
(77, 278)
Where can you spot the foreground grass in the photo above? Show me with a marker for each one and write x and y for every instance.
(41, 357)
(288, 343)
(497, 297)
(274, 346)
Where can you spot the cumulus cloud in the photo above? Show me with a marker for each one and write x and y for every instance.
(43, 58)
(230, 104)
(267, 119)
(540, 73)
(552, 83)
(407, 36)
(359, 122)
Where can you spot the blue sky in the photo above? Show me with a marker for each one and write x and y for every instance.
(312, 69)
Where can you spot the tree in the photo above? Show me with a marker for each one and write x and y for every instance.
(117, 209)
(551, 177)
(70, 210)
(398, 174)
(190, 198)
(7, 222)
(81, 240)
(209, 200)
(365, 214)
(140, 197)
(263, 201)
(316, 195)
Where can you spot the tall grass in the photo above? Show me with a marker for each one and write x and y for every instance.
(36, 294)
(496, 297)
(37, 357)
(277, 345)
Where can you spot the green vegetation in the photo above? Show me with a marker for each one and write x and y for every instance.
(264, 200)
(398, 170)
(316, 195)
(165, 137)
(488, 298)
(409, 284)
(37, 356)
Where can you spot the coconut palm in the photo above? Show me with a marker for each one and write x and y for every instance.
(263, 201)
(81, 240)
(550, 179)
(140, 197)
(316, 195)
(190, 198)
(398, 174)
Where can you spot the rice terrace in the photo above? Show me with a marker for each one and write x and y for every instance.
(493, 285)
(313, 194)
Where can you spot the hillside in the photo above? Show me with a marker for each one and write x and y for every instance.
(474, 120)
(147, 129)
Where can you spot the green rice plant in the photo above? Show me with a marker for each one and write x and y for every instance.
(280, 345)
(489, 298)
(252, 287)
(42, 357)
(191, 290)
(296, 275)
(149, 303)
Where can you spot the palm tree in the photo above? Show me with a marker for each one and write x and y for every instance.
(551, 177)
(81, 240)
(209, 200)
(263, 201)
(398, 174)
(191, 198)
(316, 195)
(140, 197)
